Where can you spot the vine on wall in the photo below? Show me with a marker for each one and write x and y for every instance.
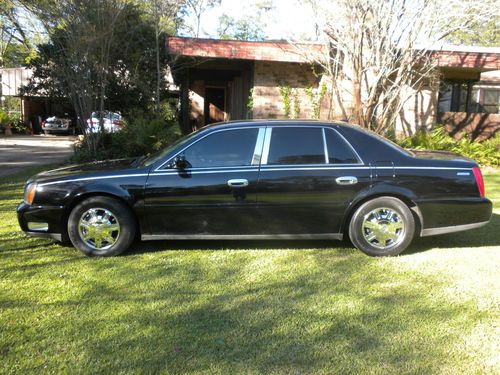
(315, 98)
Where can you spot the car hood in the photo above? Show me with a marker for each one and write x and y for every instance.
(100, 168)
(440, 155)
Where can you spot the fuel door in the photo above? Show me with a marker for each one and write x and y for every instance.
(382, 170)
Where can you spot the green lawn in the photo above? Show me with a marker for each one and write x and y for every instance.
(250, 307)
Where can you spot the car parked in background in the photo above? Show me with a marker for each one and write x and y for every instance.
(59, 125)
(261, 180)
(112, 122)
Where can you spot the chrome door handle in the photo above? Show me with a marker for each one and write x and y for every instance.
(237, 182)
(346, 180)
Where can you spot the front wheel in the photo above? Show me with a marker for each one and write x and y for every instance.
(101, 226)
(383, 226)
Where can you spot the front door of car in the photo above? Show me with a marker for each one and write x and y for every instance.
(309, 175)
(216, 192)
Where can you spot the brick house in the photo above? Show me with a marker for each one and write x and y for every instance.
(224, 80)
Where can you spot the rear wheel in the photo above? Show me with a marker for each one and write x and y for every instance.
(383, 226)
(101, 226)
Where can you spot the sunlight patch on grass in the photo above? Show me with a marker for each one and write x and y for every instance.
(252, 308)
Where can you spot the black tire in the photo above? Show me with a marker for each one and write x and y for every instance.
(377, 232)
(92, 211)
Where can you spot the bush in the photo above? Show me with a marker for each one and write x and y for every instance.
(486, 153)
(143, 134)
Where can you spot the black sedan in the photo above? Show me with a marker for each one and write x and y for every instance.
(261, 180)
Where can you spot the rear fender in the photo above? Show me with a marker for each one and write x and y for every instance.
(379, 190)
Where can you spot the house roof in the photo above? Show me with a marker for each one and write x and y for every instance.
(283, 51)
(243, 50)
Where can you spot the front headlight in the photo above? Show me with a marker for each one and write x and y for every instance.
(29, 193)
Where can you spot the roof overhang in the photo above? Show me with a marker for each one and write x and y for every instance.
(283, 51)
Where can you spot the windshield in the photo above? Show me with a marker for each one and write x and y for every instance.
(153, 158)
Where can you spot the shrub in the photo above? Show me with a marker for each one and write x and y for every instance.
(486, 153)
(142, 134)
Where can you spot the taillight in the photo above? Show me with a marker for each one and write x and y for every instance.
(117, 122)
(479, 180)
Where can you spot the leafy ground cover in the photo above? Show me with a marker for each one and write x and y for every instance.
(250, 307)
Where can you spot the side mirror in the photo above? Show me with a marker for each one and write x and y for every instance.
(180, 162)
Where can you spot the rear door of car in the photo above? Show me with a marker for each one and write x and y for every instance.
(216, 195)
(309, 175)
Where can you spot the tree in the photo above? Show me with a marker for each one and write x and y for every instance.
(378, 51)
(164, 17)
(249, 27)
(100, 55)
(192, 11)
(484, 33)
(15, 42)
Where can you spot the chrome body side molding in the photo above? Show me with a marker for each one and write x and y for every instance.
(451, 229)
(320, 236)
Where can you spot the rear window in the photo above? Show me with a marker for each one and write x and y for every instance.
(296, 146)
(339, 152)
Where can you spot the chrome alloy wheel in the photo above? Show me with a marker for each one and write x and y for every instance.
(383, 227)
(99, 228)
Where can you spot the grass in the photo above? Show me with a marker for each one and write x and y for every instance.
(250, 307)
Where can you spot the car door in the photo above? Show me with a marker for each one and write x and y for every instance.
(309, 175)
(215, 195)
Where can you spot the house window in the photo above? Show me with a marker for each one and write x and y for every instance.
(491, 100)
(467, 97)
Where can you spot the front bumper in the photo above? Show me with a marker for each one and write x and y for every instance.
(41, 221)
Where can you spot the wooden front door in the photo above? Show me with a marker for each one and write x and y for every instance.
(215, 104)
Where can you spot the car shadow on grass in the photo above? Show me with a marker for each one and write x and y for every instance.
(489, 235)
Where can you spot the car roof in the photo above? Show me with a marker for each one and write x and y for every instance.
(273, 122)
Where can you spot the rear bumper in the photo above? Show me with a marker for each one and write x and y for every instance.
(38, 221)
(454, 228)
(454, 215)
(57, 130)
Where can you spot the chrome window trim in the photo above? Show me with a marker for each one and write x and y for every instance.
(267, 142)
(259, 145)
(194, 171)
(203, 137)
(325, 149)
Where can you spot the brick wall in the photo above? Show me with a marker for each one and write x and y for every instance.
(478, 126)
(418, 112)
(269, 76)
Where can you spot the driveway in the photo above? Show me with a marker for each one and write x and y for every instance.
(24, 151)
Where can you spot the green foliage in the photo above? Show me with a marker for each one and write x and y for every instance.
(250, 103)
(115, 63)
(296, 104)
(486, 153)
(315, 98)
(143, 134)
(247, 28)
(478, 33)
(286, 97)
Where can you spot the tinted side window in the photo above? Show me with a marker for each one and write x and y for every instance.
(296, 146)
(339, 151)
(223, 149)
